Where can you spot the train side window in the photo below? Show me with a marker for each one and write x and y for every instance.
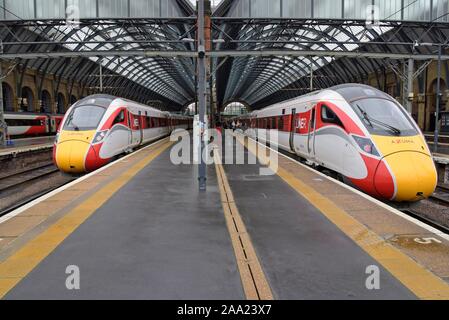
(329, 116)
(119, 118)
(23, 123)
(281, 123)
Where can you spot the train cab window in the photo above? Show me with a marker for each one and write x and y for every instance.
(384, 117)
(329, 116)
(120, 118)
(85, 117)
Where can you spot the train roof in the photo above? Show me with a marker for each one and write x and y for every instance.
(106, 101)
(349, 92)
(354, 91)
(101, 100)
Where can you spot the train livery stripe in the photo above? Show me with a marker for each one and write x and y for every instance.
(17, 266)
(422, 282)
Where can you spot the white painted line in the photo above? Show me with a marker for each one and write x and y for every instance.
(369, 198)
(14, 213)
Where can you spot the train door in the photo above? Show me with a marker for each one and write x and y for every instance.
(140, 127)
(131, 134)
(52, 125)
(292, 129)
(311, 133)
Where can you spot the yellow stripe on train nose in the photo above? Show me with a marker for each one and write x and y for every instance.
(70, 156)
(411, 165)
(414, 173)
(72, 149)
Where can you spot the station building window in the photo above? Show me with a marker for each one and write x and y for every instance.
(190, 110)
(46, 102)
(27, 100)
(7, 97)
(235, 109)
(72, 99)
(61, 103)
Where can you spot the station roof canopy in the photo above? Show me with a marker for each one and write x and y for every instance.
(263, 51)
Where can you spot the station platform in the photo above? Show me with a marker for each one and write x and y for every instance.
(27, 145)
(140, 229)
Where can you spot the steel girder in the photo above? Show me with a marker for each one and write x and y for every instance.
(338, 50)
(169, 79)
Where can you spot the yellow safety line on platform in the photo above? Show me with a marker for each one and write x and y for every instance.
(16, 267)
(422, 282)
(254, 281)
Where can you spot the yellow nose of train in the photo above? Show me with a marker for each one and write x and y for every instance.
(411, 167)
(72, 149)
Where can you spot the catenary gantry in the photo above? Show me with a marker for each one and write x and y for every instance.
(262, 50)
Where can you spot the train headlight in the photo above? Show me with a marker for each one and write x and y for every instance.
(99, 137)
(366, 145)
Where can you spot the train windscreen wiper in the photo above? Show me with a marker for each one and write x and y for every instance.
(365, 116)
(394, 130)
(73, 124)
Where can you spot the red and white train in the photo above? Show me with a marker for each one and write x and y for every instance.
(32, 124)
(98, 128)
(362, 134)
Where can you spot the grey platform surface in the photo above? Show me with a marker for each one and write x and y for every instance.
(156, 238)
(29, 142)
(159, 238)
(303, 254)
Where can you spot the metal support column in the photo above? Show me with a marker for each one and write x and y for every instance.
(311, 75)
(201, 93)
(409, 91)
(437, 106)
(2, 117)
(101, 76)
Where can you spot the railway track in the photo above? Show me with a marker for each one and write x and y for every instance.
(20, 179)
(441, 196)
(15, 182)
(431, 222)
(16, 205)
(18, 189)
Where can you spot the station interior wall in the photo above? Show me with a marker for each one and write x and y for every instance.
(57, 99)
(52, 98)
